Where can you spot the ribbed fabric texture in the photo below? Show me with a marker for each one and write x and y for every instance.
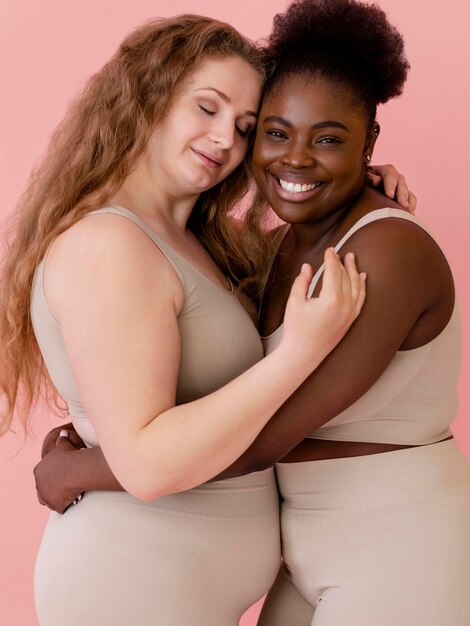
(401, 477)
(246, 497)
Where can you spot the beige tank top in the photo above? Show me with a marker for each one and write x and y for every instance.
(218, 339)
(415, 399)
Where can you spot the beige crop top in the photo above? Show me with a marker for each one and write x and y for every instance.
(415, 399)
(218, 339)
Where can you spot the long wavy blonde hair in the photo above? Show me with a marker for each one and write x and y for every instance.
(90, 155)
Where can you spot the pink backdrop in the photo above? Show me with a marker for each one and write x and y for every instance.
(47, 50)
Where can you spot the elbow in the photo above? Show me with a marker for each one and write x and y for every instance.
(149, 493)
(147, 481)
(143, 494)
(142, 491)
(148, 490)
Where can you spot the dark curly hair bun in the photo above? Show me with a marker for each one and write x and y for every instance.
(343, 40)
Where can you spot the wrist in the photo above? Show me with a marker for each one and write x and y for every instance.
(299, 360)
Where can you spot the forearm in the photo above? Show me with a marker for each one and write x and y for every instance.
(87, 470)
(162, 458)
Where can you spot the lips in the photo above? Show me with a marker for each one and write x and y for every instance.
(208, 159)
(295, 189)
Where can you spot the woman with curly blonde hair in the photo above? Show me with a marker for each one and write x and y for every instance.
(132, 316)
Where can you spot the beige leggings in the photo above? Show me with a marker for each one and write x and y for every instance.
(197, 558)
(380, 540)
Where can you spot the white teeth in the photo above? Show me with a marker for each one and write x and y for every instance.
(296, 188)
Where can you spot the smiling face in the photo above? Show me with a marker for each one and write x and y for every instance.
(205, 134)
(310, 149)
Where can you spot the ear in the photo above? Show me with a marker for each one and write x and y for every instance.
(370, 141)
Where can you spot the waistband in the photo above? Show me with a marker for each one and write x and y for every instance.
(400, 477)
(244, 497)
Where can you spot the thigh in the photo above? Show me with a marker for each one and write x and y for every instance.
(381, 539)
(103, 563)
(284, 604)
(403, 565)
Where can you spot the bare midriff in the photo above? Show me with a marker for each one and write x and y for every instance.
(322, 449)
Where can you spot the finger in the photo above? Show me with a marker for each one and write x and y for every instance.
(333, 275)
(302, 282)
(40, 499)
(412, 202)
(361, 295)
(373, 179)
(356, 285)
(64, 443)
(49, 441)
(76, 440)
(402, 192)
(390, 184)
(353, 282)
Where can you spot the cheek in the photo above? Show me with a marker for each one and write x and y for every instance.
(238, 153)
(257, 166)
(263, 155)
(185, 128)
(347, 167)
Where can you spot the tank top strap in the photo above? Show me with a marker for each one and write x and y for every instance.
(373, 216)
(171, 255)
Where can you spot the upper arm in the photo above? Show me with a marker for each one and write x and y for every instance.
(116, 297)
(409, 295)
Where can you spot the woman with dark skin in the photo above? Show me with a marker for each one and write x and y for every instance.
(375, 495)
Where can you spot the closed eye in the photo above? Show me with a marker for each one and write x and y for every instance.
(207, 111)
(243, 133)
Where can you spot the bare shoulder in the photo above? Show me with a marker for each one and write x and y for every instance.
(103, 234)
(407, 272)
(101, 250)
(397, 243)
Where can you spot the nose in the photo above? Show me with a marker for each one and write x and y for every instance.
(223, 133)
(297, 155)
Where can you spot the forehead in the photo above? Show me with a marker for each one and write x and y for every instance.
(225, 75)
(311, 99)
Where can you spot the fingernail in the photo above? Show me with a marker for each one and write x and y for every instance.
(350, 255)
(64, 433)
(304, 268)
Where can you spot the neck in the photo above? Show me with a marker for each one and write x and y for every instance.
(324, 230)
(147, 197)
(310, 234)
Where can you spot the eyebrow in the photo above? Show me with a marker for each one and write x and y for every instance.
(225, 98)
(317, 126)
